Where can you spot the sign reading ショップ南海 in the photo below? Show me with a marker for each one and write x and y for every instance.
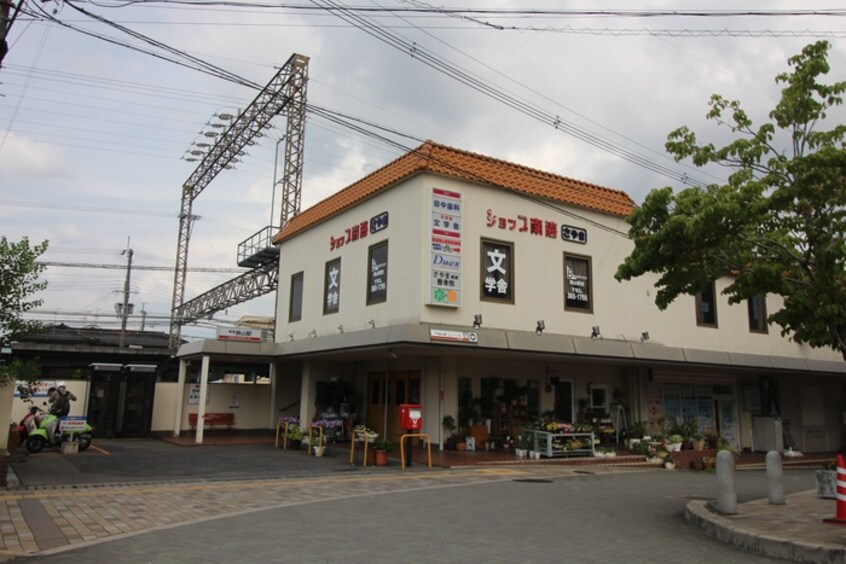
(536, 226)
(445, 251)
(359, 231)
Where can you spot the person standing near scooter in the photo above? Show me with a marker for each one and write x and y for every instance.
(60, 400)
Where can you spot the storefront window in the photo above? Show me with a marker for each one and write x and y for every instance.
(295, 311)
(757, 307)
(533, 399)
(577, 284)
(377, 273)
(706, 307)
(689, 401)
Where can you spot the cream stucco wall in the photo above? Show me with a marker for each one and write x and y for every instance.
(309, 252)
(164, 406)
(251, 413)
(622, 310)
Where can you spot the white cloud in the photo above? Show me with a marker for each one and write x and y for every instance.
(21, 155)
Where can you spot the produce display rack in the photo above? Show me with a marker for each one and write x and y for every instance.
(552, 444)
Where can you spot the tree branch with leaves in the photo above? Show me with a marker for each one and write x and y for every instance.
(777, 226)
(19, 280)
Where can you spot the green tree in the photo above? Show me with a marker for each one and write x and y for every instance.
(777, 225)
(19, 273)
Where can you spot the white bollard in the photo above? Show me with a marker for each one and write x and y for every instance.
(775, 478)
(727, 495)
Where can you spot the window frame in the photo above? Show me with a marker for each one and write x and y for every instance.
(301, 277)
(509, 269)
(589, 261)
(762, 326)
(700, 321)
(369, 300)
(330, 264)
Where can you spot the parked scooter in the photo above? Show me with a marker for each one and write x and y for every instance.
(28, 424)
(39, 438)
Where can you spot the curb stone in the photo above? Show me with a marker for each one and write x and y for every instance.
(699, 513)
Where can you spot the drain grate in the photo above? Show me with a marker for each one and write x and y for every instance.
(533, 481)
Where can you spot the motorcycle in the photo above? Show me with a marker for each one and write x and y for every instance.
(38, 437)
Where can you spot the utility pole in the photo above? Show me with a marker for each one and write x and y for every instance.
(143, 315)
(6, 22)
(124, 313)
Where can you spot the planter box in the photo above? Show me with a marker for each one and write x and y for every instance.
(827, 484)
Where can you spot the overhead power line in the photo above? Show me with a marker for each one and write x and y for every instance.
(521, 12)
(421, 54)
(138, 267)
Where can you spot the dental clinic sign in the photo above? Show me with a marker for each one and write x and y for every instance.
(445, 249)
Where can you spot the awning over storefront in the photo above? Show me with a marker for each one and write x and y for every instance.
(617, 350)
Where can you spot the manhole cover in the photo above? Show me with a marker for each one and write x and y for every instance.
(533, 481)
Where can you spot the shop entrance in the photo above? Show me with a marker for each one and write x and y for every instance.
(387, 394)
(564, 401)
(120, 400)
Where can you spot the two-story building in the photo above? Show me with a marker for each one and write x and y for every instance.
(480, 288)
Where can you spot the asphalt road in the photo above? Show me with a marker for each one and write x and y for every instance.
(580, 517)
(140, 460)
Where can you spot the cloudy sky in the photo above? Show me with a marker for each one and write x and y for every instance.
(95, 123)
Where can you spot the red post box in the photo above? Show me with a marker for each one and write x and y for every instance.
(410, 416)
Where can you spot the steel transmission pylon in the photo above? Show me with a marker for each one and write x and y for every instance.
(285, 91)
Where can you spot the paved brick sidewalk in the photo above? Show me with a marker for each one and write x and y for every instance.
(794, 531)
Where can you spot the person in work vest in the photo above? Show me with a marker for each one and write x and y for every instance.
(60, 400)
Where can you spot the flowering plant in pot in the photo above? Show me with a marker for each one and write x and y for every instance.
(382, 448)
(294, 436)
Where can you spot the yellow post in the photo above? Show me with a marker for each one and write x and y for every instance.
(411, 436)
(352, 446)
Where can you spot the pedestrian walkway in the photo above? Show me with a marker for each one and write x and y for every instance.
(131, 487)
(49, 520)
(794, 531)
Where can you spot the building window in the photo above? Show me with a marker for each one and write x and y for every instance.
(332, 287)
(706, 307)
(377, 273)
(497, 271)
(757, 306)
(295, 311)
(577, 288)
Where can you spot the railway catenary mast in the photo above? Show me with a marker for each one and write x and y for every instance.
(286, 91)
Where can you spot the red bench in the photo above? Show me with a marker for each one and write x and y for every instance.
(212, 420)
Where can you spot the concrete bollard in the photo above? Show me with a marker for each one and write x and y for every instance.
(775, 478)
(727, 495)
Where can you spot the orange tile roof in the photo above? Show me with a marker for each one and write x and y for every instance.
(455, 163)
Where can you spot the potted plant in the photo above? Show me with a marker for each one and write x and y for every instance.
(449, 425)
(674, 442)
(294, 437)
(636, 434)
(827, 480)
(669, 463)
(382, 448)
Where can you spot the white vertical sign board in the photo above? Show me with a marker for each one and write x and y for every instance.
(445, 250)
